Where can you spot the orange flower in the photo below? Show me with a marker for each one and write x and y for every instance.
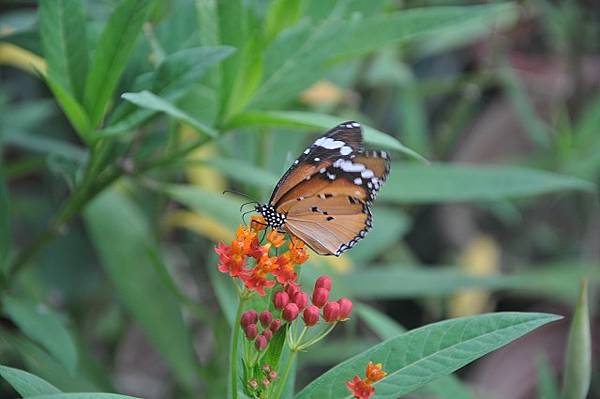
(363, 389)
(374, 372)
(285, 272)
(258, 223)
(297, 251)
(276, 238)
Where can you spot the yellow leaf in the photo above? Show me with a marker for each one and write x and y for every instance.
(481, 257)
(326, 93)
(200, 224)
(21, 58)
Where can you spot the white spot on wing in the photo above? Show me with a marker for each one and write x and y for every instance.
(367, 174)
(358, 181)
(329, 143)
(345, 150)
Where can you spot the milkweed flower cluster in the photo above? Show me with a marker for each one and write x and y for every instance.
(363, 388)
(265, 260)
(266, 263)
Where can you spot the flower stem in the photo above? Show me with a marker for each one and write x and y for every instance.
(233, 355)
(317, 338)
(283, 381)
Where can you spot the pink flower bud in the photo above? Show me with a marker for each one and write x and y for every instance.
(260, 343)
(290, 312)
(291, 289)
(248, 317)
(301, 299)
(251, 331)
(266, 382)
(266, 318)
(253, 384)
(280, 299)
(273, 375)
(323, 282)
(266, 368)
(345, 308)
(319, 297)
(311, 315)
(268, 334)
(275, 325)
(331, 311)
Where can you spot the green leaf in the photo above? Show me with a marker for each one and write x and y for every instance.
(447, 387)
(26, 384)
(112, 52)
(420, 356)
(5, 233)
(42, 364)
(151, 101)
(64, 37)
(420, 23)
(124, 244)
(73, 110)
(395, 281)
(85, 395)
(413, 183)
(308, 120)
(546, 388)
(172, 80)
(44, 327)
(577, 372)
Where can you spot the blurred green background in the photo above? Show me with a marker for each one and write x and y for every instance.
(110, 203)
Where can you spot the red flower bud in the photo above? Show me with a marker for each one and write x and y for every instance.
(248, 317)
(323, 282)
(275, 325)
(280, 299)
(290, 312)
(251, 331)
(291, 289)
(266, 318)
(266, 382)
(268, 334)
(311, 315)
(301, 299)
(253, 384)
(261, 342)
(331, 311)
(319, 297)
(345, 308)
(273, 375)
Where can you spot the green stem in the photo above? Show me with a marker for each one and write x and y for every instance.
(282, 382)
(317, 338)
(233, 356)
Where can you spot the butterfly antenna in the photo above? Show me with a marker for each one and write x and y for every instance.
(243, 195)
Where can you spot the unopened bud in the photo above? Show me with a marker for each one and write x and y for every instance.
(323, 281)
(331, 311)
(280, 299)
(345, 308)
(319, 297)
(261, 342)
(290, 312)
(265, 318)
(268, 334)
(251, 331)
(275, 325)
(301, 299)
(311, 315)
(248, 317)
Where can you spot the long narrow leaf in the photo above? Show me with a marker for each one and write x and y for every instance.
(121, 237)
(64, 37)
(112, 52)
(27, 384)
(422, 355)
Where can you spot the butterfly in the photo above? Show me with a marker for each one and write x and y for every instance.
(325, 197)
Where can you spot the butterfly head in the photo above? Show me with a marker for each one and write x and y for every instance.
(272, 217)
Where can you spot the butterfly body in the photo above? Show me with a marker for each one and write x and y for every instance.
(325, 197)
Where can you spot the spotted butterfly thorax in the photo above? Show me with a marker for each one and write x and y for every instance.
(325, 197)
